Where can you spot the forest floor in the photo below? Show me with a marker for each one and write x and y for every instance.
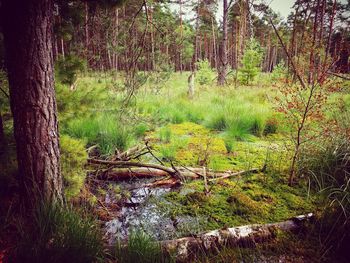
(222, 129)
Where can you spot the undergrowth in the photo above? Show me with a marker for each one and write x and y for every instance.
(57, 234)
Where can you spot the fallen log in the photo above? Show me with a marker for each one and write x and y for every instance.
(185, 248)
(127, 170)
(129, 173)
(124, 164)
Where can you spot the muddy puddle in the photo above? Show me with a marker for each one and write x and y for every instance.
(147, 210)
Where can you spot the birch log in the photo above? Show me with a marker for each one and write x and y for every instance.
(185, 248)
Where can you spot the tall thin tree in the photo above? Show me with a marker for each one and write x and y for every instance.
(223, 53)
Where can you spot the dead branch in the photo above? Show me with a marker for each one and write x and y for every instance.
(338, 75)
(230, 174)
(288, 55)
(132, 164)
(122, 172)
(128, 173)
(170, 182)
(129, 154)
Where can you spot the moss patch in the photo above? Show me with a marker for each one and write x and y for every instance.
(191, 144)
(251, 199)
(73, 158)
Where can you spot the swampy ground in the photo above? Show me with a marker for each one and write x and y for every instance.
(222, 128)
(235, 129)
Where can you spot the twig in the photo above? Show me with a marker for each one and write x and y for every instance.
(5, 93)
(254, 170)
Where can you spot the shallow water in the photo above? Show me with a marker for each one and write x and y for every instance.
(147, 210)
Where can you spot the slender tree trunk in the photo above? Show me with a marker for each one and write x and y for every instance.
(214, 44)
(311, 76)
(116, 38)
(196, 41)
(28, 36)
(87, 31)
(153, 62)
(223, 53)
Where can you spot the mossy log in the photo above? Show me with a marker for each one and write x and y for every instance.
(245, 236)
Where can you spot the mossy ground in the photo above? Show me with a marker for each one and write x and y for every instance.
(250, 199)
(192, 144)
(253, 198)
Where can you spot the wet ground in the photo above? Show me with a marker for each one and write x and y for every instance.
(147, 210)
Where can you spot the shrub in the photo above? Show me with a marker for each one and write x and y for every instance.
(58, 234)
(204, 74)
(251, 62)
(67, 69)
(73, 158)
(279, 72)
(271, 126)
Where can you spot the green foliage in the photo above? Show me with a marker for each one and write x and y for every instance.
(279, 72)
(327, 164)
(228, 144)
(140, 130)
(218, 121)
(271, 125)
(104, 131)
(251, 61)
(165, 134)
(159, 77)
(204, 74)
(58, 234)
(67, 69)
(4, 101)
(73, 159)
(239, 119)
(140, 248)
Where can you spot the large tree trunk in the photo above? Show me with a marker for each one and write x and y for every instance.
(28, 39)
(223, 53)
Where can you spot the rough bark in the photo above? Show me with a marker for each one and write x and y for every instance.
(27, 28)
(185, 248)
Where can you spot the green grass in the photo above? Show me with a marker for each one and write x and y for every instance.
(91, 111)
(105, 131)
(58, 234)
(140, 248)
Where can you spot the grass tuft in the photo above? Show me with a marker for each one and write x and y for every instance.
(58, 234)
